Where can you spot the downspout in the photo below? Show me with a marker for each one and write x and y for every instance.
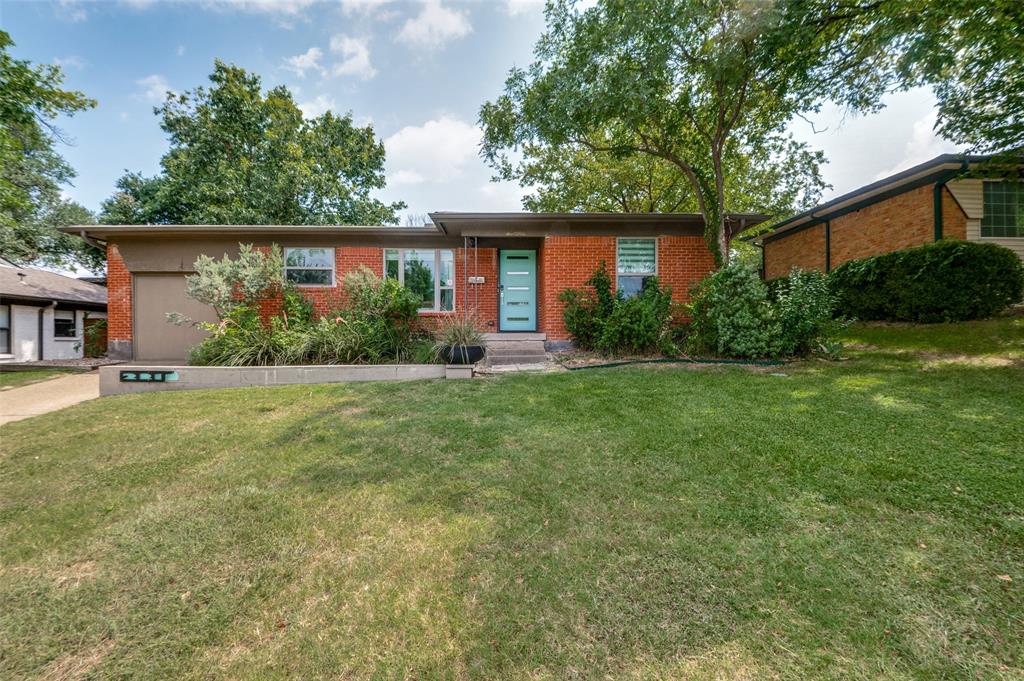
(937, 196)
(42, 341)
(828, 246)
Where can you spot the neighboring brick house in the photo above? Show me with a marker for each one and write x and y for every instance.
(939, 199)
(45, 315)
(507, 269)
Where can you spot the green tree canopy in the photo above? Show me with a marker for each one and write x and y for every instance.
(31, 170)
(239, 156)
(971, 52)
(691, 82)
(575, 178)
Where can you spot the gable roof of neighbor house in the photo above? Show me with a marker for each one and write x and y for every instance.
(941, 167)
(447, 227)
(30, 284)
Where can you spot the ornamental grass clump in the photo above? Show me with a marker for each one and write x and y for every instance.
(377, 324)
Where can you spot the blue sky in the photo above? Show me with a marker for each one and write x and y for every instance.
(417, 70)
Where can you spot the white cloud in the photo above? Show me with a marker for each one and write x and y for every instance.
(367, 8)
(434, 25)
(515, 7)
(154, 88)
(71, 10)
(317, 106)
(355, 57)
(283, 7)
(924, 144)
(71, 62)
(307, 61)
(436, 151)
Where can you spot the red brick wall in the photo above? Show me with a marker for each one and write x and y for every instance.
(905, 220)
(562, 262)
(901, 221)
(567, 262)
(804, 249)
(683, 261)
(954, 219)
(119, 297)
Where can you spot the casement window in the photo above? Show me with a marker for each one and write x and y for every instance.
(5, 329)
(64, 324)
(309, 266)
(429, 273)
(1004, 209)
(636, 262)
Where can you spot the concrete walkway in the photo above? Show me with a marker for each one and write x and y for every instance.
(46, 396)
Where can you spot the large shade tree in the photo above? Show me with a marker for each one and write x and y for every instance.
(575, 178)
(696, 83)
(239, 156)
(32, 172)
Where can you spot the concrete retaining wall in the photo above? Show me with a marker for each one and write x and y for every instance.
(116, 380)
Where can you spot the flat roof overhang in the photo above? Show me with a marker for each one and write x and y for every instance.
(449, 229)
(538, 225)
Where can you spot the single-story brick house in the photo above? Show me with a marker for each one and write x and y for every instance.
(43, 315)
(939, 199)
(508, 269)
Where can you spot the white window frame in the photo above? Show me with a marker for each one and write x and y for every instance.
(635, 274)
(438, 287)
(330, 269)
(74, 321)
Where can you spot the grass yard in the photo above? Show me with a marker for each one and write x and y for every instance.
(857, 519)
(15, 379)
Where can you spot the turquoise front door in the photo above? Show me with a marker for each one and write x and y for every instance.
(517, 291)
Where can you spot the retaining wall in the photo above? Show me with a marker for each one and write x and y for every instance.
(120, 379)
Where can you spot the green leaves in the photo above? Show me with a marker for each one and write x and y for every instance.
(31, 170)
(692, 85)
(238, 156)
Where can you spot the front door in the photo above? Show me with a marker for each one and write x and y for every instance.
(517, 291)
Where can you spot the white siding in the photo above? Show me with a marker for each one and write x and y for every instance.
(969, 195)
(63, 348)
(25, 335)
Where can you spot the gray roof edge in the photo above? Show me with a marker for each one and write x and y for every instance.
(935, 165)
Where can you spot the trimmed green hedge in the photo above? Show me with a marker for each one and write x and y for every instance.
(949, 280)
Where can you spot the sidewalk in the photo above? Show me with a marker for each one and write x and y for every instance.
(40, 398)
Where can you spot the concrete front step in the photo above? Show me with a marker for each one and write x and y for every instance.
(515, 346)
(516, 359)
(515, 336)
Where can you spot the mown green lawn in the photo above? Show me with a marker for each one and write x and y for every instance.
(10, 378)
(857, 519)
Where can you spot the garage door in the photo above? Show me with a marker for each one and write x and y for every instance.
(155, 338)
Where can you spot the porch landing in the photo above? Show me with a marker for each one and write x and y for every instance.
(517, 351)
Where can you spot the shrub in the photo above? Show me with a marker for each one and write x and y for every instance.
(731, 315)
(640, 324)
(389, 311)
(458, 331)
(804, 307)
(948, 280)
(599, 318)
(585, 310)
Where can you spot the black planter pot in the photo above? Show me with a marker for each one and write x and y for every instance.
(464, 354)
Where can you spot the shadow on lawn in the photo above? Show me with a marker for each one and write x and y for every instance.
(605, 537)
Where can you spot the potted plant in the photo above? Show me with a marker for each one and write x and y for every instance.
(459, 340)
